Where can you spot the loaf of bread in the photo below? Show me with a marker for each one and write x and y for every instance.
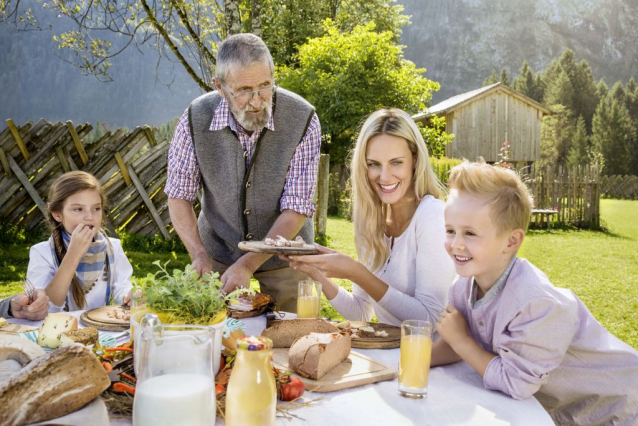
(52, 386)
(85, 336)
(18, 349)
(314, 355)
(283, 333)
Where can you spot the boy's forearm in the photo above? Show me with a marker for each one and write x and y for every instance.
(472, 353)
(443, 354)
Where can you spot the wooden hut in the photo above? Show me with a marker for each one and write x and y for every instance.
(481, 120)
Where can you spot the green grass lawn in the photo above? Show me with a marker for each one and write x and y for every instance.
(600, 267)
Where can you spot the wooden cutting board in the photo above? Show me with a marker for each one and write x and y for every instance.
(392, 341)
(357, 370)
(261, 247)
(100, 319)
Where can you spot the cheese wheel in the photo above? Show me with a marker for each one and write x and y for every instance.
(54, 325)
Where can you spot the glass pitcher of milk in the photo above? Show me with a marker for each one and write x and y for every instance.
(175, 381)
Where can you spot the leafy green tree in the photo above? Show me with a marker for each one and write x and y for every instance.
(612, 132)
(601, 89)
(557, 131)
(346, 76)
(578, 153)
(618, 93)
(435, 136)
(186, 32)
(560, 92)
(524, 83)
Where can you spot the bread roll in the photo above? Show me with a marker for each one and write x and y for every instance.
(52, 386)
(85, 336)
(314, 355)
(283, 333)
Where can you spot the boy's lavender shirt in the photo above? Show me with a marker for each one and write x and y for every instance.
(550, 346)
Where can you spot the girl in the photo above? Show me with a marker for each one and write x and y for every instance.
(399, 230)
(79, 267)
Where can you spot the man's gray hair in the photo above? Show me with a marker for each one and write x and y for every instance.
(241, 50)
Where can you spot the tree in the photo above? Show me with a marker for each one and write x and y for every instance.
(524, 83)
(578, 153)
(186, 32)
(612, 132)
(505, 80)
(601, 89)
(560, 92)
(557, 131)
(346, 76)
(492, 79)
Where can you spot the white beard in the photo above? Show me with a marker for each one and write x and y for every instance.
(250, 122)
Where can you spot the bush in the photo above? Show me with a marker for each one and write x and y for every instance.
(339, 201)
(151, 244)
(442, 167)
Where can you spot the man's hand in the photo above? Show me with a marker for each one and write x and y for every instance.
(22, 307)
(452, 326)
(237, 275)
(202, 264)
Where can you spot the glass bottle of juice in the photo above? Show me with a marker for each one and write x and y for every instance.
(251, 398)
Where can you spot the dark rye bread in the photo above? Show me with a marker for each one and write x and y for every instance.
(314, 355)
(283, 333)
(52, 386)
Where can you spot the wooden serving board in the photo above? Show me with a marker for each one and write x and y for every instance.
(392, 341)
(261, 247)
(356, 370)
(99, 319)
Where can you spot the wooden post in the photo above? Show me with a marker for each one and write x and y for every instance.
(5, 163)
(18, 139)
(24, 180)
(149, 204)
(77, 142)
(323, 180)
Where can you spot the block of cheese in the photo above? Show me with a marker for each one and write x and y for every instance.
(283, 333)
(314, 355)
(85, 336)
(3, 321)
(54, 325)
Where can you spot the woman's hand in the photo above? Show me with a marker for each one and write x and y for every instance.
(329, 263)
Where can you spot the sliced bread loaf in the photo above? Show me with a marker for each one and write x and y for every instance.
(283, 333)
(314, 355)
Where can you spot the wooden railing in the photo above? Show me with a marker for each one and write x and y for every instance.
(623, 187)
(573, 193)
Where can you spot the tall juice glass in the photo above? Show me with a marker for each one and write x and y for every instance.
(414, 363)
(251, 398)
(309, 299)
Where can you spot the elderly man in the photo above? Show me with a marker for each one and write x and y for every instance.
(20, 306)
(254, 149)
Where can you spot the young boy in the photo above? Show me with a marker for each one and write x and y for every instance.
(506, 319)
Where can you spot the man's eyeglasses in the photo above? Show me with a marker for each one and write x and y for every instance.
(246, 96)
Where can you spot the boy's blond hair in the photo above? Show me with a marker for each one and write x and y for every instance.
(509, 199)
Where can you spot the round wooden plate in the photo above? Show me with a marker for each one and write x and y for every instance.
(99, 319)
(261, 247)
(392, 341)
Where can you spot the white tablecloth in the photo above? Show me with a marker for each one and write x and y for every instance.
(456, 396)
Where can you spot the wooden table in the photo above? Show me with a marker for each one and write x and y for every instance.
(456, 396)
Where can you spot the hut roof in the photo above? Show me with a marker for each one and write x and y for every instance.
(457, 101)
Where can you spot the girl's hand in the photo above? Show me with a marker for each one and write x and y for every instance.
(452, 325)
(81, 239)
(330, 263)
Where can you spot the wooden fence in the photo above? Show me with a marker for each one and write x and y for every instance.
(573, 193)
(130, 165)
(623, 187)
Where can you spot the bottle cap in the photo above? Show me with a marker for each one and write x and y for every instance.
(254, 343)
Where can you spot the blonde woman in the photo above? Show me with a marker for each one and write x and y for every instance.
(403, 270)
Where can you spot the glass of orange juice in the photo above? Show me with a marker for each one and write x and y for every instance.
(414, 363)
(309, 299)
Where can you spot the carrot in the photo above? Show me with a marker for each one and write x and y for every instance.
(129, 377)
(123, 387)
(118, 349)
(107, 366)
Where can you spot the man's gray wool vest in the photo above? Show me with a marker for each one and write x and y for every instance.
(242, 203)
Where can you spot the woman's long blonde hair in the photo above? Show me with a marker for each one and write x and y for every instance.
(65, 186)
(369, 213)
